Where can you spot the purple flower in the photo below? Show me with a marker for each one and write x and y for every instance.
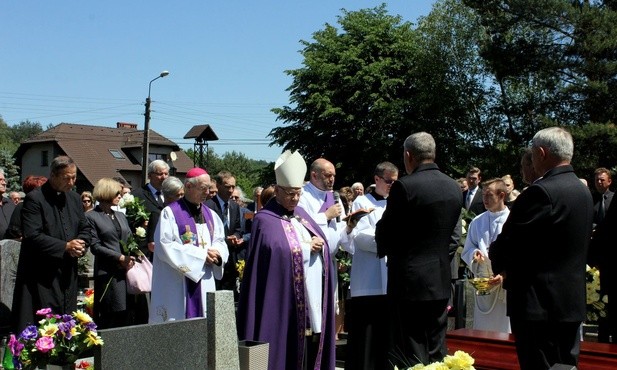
(91, 326)
(67, 318)
(15, 346)
(45, 344)
(29, 332)
(65, 329)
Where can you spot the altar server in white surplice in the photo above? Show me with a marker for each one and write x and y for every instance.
(368, 336)
(189, 254)
(489, 310)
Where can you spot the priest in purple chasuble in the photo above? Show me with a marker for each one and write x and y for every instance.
(189, 253)
(287, 291)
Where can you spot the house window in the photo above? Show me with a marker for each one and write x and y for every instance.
(116, 153)
(44, 158)
(155, 156)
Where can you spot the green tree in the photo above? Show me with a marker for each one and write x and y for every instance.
(11, 170)
(353, 99)
(25, 130)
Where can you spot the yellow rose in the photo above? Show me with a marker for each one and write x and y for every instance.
(83, 317)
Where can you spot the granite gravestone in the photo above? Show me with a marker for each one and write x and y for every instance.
(9, 256)
(201, 343)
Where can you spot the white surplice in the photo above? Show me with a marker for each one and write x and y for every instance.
(489, 310)
(175, 261)
(369, 274)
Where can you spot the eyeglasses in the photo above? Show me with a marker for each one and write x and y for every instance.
(291, 193)
(234, 197)
(389, 182)
(86, 201)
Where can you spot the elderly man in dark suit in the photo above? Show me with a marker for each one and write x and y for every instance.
(229, 212)
(541, 254)
(152, 195)
(415, 233)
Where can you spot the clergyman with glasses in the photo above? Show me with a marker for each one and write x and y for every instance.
(287, 292)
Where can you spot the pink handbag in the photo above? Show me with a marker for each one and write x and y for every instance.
(139, 277)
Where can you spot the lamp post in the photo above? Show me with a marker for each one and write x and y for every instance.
(144, 161)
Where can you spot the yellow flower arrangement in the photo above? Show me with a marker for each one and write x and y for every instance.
(459, 361)
(240, 269)
(596, 303)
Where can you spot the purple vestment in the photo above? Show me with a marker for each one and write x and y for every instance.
(267, 311)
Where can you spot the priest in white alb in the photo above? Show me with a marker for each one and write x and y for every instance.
(189, 253)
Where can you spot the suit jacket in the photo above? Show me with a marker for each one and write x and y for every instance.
(46, 273)
(607, 203)
(6, 210)
(233, 227)
(415, 233)
(477, 205)
(152, 206)
(542, 249)
(602, 253)
(109, 276)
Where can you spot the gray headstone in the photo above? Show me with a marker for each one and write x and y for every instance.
(9, 256)
(202, 343)
(178, 344)
(223, 337)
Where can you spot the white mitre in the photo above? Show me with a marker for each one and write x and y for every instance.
(290, 169)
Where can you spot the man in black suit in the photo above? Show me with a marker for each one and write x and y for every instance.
(602, 180)
(229, 212)
(152, 195)
(541, 253)
(55, 234)
(472, 197)
(415, 233)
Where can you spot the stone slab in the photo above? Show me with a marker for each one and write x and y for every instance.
(9, 256)
(223, 337)
(178, 344)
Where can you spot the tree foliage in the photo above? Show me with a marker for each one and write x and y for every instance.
(248, 172)
(354, 93)
(482, 76)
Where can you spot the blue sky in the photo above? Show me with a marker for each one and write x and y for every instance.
(91, 62)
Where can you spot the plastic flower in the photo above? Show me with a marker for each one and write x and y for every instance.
(43, 311)
(83, 317)
(45, 344)
(29, 332)
(92, 339)
(15, 346)
(48, 330)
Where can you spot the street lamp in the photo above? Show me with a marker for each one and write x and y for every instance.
(144, 162)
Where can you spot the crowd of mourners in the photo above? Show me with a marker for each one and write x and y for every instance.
(278, 253)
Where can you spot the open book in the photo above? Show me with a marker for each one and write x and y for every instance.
(358, 214)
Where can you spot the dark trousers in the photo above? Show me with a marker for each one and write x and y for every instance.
(541, 344)
(417, 331)
(368, 334)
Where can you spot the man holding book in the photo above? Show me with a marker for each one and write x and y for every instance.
(367, 334)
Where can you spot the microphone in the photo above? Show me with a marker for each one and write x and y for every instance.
(337, 199)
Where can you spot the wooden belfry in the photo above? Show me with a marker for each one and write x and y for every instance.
(202, 134)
